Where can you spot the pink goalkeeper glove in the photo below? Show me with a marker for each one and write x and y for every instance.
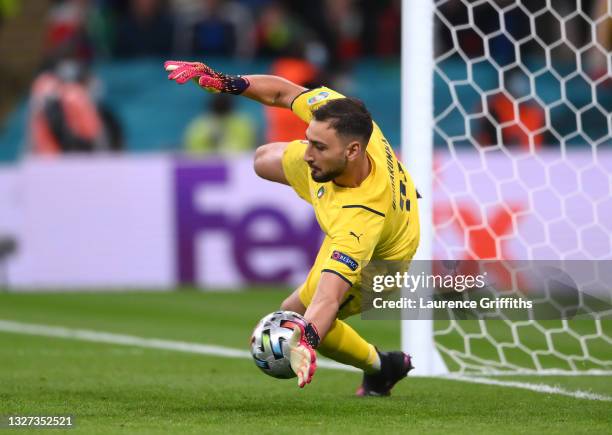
(205, 76)
(303, 358)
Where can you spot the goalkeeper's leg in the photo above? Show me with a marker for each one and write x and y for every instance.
(343, 344)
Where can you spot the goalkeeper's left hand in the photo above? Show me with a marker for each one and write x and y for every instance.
(206, 77)
(303, 357)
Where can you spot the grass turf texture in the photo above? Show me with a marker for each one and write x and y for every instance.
(112, 388)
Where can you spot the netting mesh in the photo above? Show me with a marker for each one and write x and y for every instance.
(523, 164)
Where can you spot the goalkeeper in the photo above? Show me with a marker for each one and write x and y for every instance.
(365, 203)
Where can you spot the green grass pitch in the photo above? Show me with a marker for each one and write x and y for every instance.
(122, 389)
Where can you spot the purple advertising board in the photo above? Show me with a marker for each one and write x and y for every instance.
(233, 228)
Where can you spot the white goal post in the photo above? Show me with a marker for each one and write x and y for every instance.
(523, 128)
(417, 154)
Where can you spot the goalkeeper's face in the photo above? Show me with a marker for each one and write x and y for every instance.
(327, 153)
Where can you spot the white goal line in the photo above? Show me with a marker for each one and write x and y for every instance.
(130, 340)
(539, 388)
(227, 352)
(544, 372)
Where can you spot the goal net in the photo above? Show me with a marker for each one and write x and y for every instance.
(522, 170)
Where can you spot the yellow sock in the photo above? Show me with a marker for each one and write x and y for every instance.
(343, 344)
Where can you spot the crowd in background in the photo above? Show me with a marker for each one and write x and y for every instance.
(303, 39)
(327, 31)
(308, 42)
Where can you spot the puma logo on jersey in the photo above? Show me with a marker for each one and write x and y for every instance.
(356, 236)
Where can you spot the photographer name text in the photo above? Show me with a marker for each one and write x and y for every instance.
(426, 303)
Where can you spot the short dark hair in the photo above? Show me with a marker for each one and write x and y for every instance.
(348, 116)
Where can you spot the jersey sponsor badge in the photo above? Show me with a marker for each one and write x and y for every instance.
(318, 97)
(345, 259)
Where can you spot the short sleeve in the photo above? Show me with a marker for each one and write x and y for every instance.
(353, 239)
(296, 169)
(308, 101)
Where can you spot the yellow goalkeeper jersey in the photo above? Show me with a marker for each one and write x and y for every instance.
(377, 220)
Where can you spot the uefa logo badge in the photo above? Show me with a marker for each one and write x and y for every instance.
(321, 191)
(319, 97)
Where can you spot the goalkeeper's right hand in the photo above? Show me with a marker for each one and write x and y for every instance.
(205, 77)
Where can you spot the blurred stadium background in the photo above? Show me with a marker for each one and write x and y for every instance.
(128, 205)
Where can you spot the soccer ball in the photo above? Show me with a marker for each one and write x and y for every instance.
(269, 343)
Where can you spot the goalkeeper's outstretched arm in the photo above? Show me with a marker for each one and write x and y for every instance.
(266, 89)
(272, 90)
